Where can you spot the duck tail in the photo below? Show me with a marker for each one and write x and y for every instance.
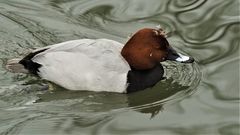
(14, 66)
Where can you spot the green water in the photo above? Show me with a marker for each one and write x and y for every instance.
(194, 99)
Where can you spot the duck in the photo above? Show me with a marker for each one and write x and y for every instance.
(102, 64)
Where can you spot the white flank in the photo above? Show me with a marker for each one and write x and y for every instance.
(85, 64)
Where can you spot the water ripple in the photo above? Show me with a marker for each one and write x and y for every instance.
(184, 6)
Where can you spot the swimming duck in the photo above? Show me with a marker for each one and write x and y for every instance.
(102, 64)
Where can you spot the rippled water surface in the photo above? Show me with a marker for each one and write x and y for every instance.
(199, 98)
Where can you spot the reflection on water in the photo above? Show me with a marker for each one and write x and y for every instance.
(180, 104)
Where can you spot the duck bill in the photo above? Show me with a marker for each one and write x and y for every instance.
(174, 56)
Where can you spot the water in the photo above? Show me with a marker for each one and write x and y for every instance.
(199, 98)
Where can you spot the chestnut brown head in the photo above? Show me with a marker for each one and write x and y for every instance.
(148, 47)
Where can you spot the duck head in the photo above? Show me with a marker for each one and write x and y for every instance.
(147, 47)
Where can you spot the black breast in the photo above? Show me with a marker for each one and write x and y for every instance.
(142, 79)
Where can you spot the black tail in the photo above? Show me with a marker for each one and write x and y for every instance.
(28, 64)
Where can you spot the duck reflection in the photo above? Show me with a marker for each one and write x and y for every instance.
(148, 101)
(151, 101)
(71, 110)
